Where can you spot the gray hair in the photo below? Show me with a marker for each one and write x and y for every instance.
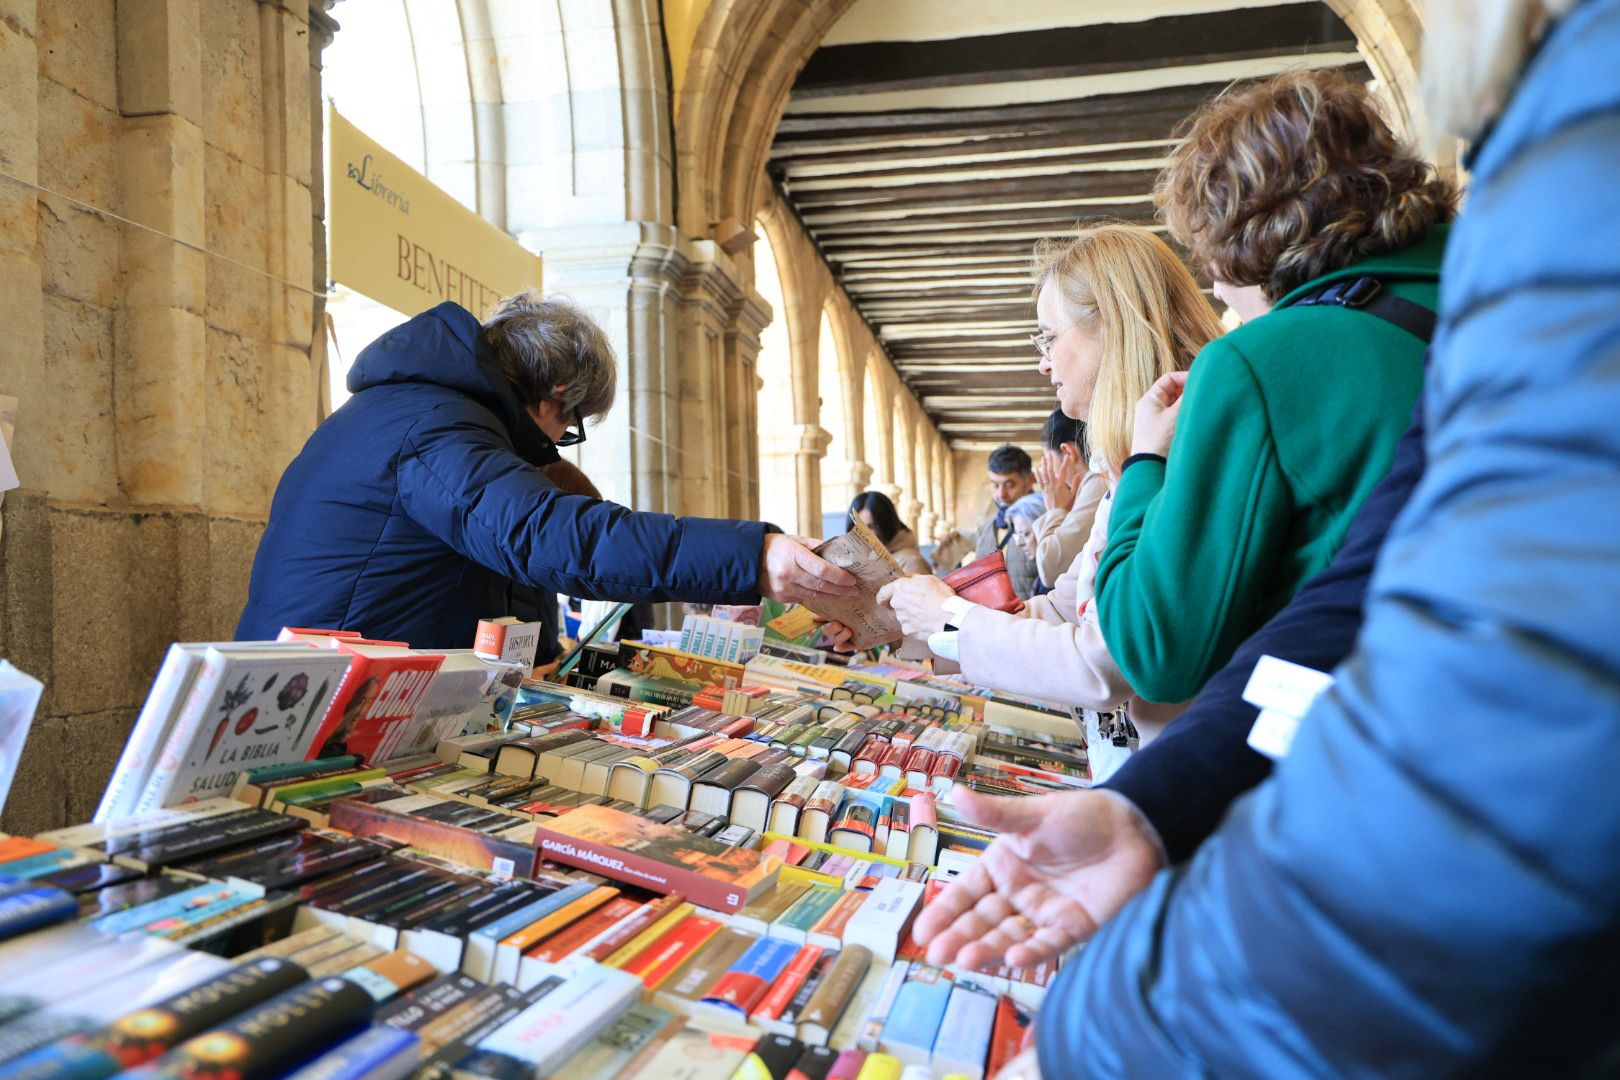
(550, 350)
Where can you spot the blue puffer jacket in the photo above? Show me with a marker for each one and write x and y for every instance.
(1429, 885)
(413, 508)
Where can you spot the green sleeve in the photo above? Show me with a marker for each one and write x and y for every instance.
(1191, 542)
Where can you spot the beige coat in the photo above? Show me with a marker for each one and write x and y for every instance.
(905, 551)
(1061, 535)
(1054, 648)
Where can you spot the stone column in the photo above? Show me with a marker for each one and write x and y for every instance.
(813, 443)
(841, 481)
(749, 317)
(710, 292)
(160, 373)
(626, 275)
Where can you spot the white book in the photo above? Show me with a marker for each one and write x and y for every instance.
(964, 1035)
(885, 917)
(19, 697)
(246, 708)
(151, 731)
(553, 1029)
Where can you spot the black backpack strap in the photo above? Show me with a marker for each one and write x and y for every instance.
(1368, 294)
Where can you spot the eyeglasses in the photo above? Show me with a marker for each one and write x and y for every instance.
(574, 437)
(1043, 340)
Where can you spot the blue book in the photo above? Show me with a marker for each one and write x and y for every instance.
(915, 1017)
(739, 991)
(377, 1051)
(478, 959)
(38, 865)
(964, 1035)
(28, 907)
(187, 907)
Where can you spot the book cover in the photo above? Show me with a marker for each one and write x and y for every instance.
(145, 1034)
(795, 923)
(468, 694)
(245, 707)
(886, 916)
(860, 552)
(816, 819)
(571, 903)
(682, 992)
(913, 1023)
(583, 930)
(1007, 1034)
(759, 915)
(427, 1002)
(830, 928)
(465, 846)
(744, 985)
(837, 990)
(771, 1058)
(868, 1025)
(392, 974)
(662, 859)
(695, 1054)
(377, 1053)
(713, 793)
(962, 1046)
(855, 827)
(644, 940)
(751, 803)
(664, 956)
(380, 690)
(815, 1063)
(637, 1031)
(787, 984)
(848, 1065)
(26, 907)
(550, 1031)
(649, 915)
(787, 1021)
(271, 1038)
(881, 1067)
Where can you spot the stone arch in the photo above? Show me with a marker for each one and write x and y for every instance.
(1390, 36)
(774, 368)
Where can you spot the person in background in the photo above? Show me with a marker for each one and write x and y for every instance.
(1072, 490)
(876, 511)
(1012, 476)
(1425, 886)
(1023, 515)
(415, 507)
(1296, 186)
(1117, 310)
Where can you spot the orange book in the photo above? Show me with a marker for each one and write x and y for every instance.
(20, 847)
(1007, 1034)
(664, 957)
(536, 932)
(635, 926)
(569, 939)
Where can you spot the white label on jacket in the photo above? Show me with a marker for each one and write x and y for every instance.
(1273, 733)
(1288, 688)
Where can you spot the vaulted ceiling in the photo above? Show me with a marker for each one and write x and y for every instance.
(929, 143)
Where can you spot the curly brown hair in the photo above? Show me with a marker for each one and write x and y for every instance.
(1281, 181)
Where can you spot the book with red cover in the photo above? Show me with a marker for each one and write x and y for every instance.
(1007, 1034)
(656, 857)
(787, 984)
(382, 688)
(673, 948)
(581, 931)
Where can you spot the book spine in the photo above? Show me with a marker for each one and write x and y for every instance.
(177, 746)
(271, 1038)
(378, 1053)
(741, 988)
(24, 909)
(792, 977)
(146, 740)
(656, 963)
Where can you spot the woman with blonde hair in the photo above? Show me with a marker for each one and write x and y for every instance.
(1297, 196)
(1116, 311)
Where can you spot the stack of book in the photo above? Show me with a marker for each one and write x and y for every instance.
(587, 887)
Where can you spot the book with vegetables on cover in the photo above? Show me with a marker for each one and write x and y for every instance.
(661, 858)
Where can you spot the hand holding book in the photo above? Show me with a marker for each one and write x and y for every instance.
(861, 554)
(790, 572)
(1062, 865)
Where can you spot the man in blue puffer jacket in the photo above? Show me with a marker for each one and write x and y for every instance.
(415, 507)
(1429, 885)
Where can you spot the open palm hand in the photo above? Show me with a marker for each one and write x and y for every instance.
(1062, 865)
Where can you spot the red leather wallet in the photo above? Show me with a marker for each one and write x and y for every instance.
(986, 582)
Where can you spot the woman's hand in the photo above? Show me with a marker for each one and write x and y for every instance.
(1156, 415)
(917, 600)
(1060, 476)
(840, 637)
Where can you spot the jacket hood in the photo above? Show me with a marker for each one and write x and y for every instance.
(445, 346)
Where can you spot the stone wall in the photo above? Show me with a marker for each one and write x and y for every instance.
(158, 298)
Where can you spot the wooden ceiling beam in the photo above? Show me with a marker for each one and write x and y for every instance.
(1100, 185)
(1070, 51)
(971, 147)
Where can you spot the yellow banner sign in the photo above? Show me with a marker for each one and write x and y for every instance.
(405, 243)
